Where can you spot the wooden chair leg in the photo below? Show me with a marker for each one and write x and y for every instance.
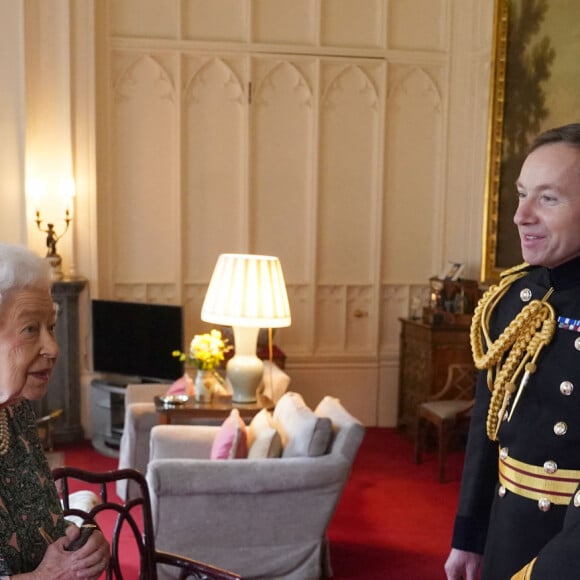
(443, 433)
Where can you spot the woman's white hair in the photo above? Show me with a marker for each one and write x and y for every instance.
(21, 268)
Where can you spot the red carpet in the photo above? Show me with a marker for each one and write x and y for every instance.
(394, 519)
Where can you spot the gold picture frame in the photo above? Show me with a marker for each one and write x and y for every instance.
(489, 268)
(534, 87)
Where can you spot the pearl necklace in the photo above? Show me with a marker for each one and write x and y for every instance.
(4, 432)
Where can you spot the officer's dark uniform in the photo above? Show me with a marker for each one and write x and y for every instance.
(542, 437)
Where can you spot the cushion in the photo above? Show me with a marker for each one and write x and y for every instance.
(274, 384)
(230, 441)
(183, 385)
(303, 433)
(332, 408)
(264, 441)
(446, 409)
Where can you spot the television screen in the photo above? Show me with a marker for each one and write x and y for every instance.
(136, 340)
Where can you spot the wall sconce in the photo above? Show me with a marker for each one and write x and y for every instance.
(36, 190)
(247, 292)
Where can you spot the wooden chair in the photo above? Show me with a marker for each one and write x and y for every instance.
(447, 411)
(132, 521)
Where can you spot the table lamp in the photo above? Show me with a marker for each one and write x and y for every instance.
(247, 292)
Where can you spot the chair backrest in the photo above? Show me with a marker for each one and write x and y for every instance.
(460, 383)
(131, 520)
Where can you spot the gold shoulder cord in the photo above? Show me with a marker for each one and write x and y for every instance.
(522, 342)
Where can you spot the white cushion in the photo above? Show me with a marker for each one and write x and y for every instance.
(303, 433)
(264, 441)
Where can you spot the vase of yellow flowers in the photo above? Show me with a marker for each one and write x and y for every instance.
(206, 352)
(204, 385)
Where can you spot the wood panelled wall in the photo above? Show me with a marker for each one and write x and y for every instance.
(316, 131)
(347, 137)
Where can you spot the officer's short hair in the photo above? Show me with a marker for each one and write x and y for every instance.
(565, 134)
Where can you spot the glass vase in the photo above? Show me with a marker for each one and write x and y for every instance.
(204, 386)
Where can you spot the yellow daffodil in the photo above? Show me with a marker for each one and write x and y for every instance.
(206, 351)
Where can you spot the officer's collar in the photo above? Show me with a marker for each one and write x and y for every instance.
(565, 276)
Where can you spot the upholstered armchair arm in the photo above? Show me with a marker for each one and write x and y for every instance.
(144, 392)
(140, 417)
(181, 441)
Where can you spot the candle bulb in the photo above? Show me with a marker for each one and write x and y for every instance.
(68, 191)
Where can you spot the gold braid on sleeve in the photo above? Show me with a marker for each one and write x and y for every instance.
(515, 350)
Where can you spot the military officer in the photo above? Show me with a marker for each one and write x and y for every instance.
(519, 507)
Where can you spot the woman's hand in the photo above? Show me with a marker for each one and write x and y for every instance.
(91, 559)
(88, 562)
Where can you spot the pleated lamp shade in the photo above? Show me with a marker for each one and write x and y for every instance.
(247, 290)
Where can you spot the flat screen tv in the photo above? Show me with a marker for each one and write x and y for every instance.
(135, 340)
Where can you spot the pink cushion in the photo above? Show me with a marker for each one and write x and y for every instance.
(180, 386)
(231, 440)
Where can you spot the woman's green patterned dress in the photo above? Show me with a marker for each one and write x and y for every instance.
(28, 495)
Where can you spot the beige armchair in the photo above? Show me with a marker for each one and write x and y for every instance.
(264, 518)
(140, 417)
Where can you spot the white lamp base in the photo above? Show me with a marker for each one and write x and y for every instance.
(244, 370)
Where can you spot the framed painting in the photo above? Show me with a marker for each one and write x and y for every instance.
(535, 86)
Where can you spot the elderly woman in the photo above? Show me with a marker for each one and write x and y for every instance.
(30, 511)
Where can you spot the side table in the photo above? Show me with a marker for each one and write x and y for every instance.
(197, 410)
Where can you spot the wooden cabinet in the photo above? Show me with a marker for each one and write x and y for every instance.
(425, 353)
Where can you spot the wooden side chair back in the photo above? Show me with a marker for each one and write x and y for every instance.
(130, 521)
(447, 411)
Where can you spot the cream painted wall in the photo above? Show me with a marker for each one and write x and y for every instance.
(433, 121)
(12, 117)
